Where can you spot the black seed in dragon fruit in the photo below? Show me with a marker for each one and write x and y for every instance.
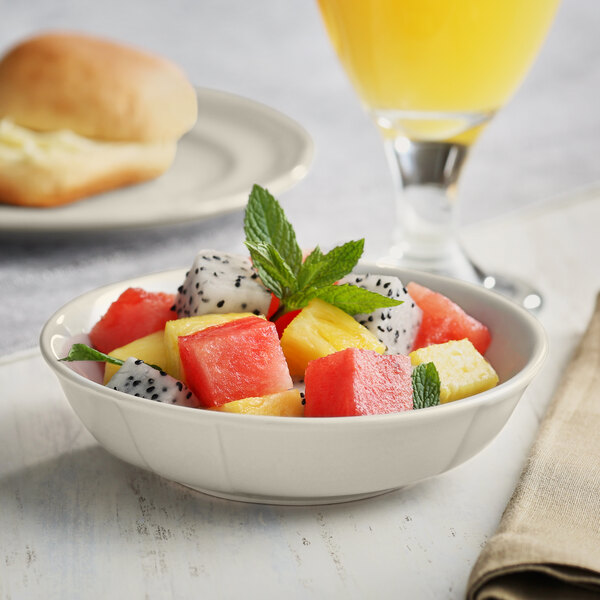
(219, 282)
(139, 379)
(396, 327)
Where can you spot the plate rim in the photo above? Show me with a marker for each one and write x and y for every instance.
(232, 202)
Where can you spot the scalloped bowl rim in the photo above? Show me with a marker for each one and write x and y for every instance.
(512, 385)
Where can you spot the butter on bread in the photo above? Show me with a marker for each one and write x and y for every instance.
(50, 168)
(81, 115)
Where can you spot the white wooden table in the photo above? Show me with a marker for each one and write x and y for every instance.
(77, 523)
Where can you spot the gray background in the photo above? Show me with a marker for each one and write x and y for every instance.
(546, 141)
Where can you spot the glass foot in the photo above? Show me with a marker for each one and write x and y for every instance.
(460, 266)
(514, 288)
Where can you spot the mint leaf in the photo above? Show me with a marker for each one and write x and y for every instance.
(323, 270)
(83, 352)
(309, 266)
(272, 269)
(265, 222)
(354, 300)
(426, 385)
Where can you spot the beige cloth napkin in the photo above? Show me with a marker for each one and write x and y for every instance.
(548, 542)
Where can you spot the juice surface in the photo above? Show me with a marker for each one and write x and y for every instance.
(437, 55)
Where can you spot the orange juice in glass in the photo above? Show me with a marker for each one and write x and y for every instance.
(431, 73)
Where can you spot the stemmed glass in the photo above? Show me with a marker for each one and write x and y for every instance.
(431, 74)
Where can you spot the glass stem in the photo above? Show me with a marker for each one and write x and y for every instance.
(426, 176)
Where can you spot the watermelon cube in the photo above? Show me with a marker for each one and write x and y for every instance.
(134, 314)
(355, 382)
(234, 360)
(186, 326)
(444, 320)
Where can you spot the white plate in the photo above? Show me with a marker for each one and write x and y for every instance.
(287, 460)
(235, 143)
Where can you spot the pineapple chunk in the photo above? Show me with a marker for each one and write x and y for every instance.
(463, 371)
(186, 326)
(150, 349)
(321, 329)
(281, 404)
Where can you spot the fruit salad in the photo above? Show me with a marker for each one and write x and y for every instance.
(285, 333)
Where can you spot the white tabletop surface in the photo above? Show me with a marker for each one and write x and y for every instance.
(77, 523)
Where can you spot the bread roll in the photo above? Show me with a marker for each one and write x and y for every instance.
(81, 115)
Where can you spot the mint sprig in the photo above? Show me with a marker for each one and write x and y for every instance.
(426, 385)
(277, 257)
(84, 352)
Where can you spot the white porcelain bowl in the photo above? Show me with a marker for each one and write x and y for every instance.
(297, 460)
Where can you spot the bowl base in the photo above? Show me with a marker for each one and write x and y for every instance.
(288, 501)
